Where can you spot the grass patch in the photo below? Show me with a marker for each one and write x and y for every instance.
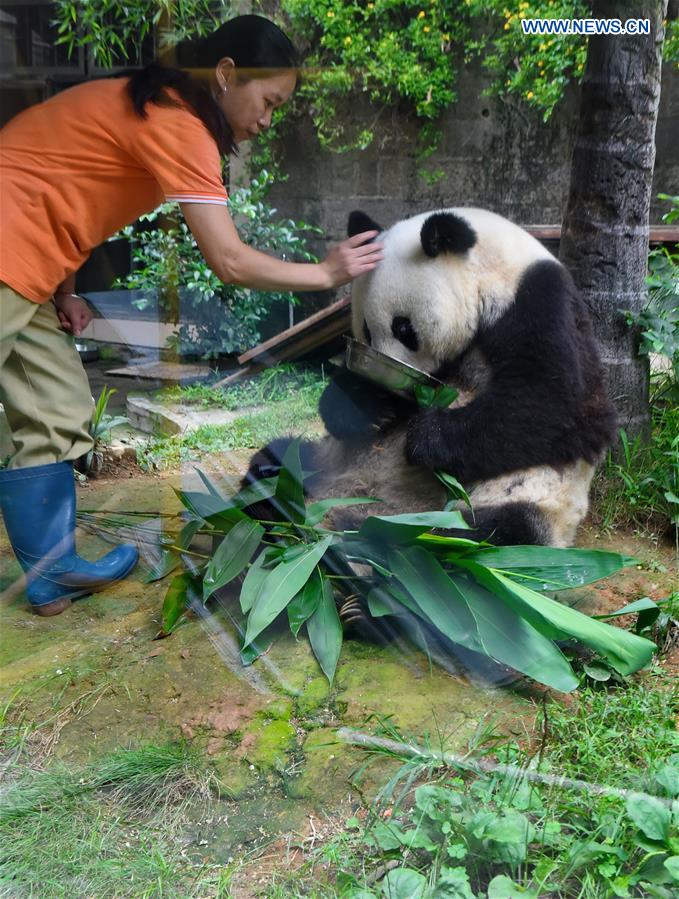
(115, 828)
(640, 486)
(273, 385)
(291, 398)
(615, 736)
(586, 813)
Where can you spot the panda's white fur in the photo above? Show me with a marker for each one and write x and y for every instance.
(460, 296)
(447, 298)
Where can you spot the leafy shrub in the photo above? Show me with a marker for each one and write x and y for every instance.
(658, 321)
(593, 814)
(643, 485)
(214, 318)
(100, 429)
(488, 599)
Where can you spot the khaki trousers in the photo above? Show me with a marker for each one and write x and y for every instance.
(43, 385)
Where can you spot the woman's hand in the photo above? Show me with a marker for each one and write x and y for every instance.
(74, 313)
(236, 263)
(353, 257)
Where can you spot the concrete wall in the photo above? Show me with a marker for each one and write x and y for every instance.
(495, 155)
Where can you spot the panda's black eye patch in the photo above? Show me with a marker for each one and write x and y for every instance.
(402, 329)
(367, 334)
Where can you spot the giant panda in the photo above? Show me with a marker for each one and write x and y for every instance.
(467, 296)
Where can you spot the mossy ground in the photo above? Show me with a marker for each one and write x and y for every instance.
(94, 680)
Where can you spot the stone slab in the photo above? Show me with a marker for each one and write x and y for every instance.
(160, 419)
(157, 370)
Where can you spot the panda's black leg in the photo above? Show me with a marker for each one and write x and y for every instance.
(266, 463)
(358, 623)
(513, 524)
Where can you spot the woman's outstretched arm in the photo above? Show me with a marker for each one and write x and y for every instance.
(236, 263)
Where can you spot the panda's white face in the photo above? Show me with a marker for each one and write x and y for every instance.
(425, 301)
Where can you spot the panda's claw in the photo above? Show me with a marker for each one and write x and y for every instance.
(352, 611)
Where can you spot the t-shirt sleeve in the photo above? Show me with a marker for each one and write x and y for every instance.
(178, 150)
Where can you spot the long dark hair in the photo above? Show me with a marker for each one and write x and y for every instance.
(253, 42)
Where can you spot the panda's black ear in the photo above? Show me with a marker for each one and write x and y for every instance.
(444, 232)
(359, 222)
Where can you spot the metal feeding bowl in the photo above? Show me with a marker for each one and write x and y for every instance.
(384, 370)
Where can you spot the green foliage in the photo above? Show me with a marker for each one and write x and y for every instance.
(591, 813)
(288, 401)
(671, 44)
(658, 322)
(615, 737)
(534, 68)
(395, 51)
(116, 827)
(100, 429)
(281, 383)
(642, 485)
(214, 318)
(114, 31)
(391, 51)
(473, 594)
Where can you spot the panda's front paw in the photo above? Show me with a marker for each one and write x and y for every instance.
(355, 410)
(426, 442)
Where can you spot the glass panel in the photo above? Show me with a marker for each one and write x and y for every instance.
(28, 39)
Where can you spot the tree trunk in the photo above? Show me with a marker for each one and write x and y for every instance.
(605, 230)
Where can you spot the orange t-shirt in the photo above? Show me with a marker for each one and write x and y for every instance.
(78, 167)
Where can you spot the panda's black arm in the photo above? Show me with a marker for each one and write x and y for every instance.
(355, 410)
(545, 403)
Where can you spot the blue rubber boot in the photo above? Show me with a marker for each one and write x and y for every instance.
(38, 506)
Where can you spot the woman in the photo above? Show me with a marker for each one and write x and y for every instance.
(75, 169)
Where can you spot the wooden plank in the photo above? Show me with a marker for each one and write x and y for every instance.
(291, 334)
(162, 371)
(313, 331)
(657, 233)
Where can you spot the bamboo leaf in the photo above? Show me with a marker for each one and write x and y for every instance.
(205, 506)
(440, 543)
(626, 652)
(316, 512)
(303, 606)
(325, 631)
(428, 584)
(169, 560)
(280, 585)
(406, 528)
(454, 488)
(548, 568)
(364, 551)
(187, 533)
(258, 647)
(255, 577)
(427, 396)
(382, 601)
(290, 490)
(639, 605)
(182, 590)
(254, 493)
(212, 490)
(508, 638)
(471, 616)
(232, 555)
